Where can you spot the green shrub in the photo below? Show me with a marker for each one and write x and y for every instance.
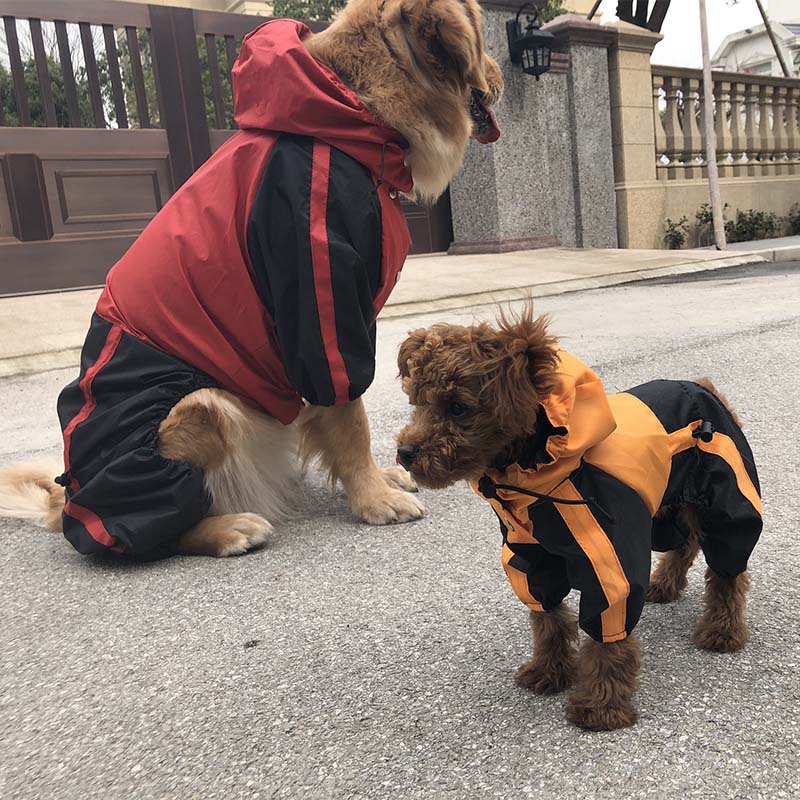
(750, 225)
(676, 233)
(793, 220)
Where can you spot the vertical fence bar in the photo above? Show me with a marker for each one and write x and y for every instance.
(17, 72)
(721, 98)
(70, 87)
(672, 128)
(767, 143)
(751, 135)
(117, 92)
(661, 136)
(156, 76)
(738, 141)
(701, 123)
(793, 133)
(43, 73)
(691, 133)
(185, 120)
(92, 77)
(779, 128)
(230, 53)
(137, 75)
(216, 84)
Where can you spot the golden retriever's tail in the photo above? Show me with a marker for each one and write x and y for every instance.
(28, 491)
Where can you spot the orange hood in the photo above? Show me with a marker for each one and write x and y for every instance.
(581, 417)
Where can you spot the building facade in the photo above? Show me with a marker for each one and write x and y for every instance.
(750, 50)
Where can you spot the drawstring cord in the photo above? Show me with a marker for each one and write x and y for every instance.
(488, 488)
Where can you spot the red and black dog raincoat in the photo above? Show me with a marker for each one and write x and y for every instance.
(263, 275)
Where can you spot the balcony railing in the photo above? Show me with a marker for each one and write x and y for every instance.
(755, 122)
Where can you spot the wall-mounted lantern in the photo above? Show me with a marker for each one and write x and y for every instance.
(529, 46)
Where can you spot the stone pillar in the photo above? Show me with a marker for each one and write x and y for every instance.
(633, 131)
(589, 109)
(548, 180)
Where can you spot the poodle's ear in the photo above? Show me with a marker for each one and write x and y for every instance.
(522, 371)
(409, 349)
(529, 347)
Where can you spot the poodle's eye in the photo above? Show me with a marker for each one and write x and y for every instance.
(456, 410)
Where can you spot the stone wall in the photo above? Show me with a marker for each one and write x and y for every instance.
(660, 165)
(549, 179)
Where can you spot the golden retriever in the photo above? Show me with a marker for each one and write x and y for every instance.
(420, 67)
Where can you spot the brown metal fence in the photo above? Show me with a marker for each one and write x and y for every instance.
(105, 109)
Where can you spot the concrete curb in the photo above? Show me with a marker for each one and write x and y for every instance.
(31, 363)
(778, 254)
(39, 362)
(564, 287)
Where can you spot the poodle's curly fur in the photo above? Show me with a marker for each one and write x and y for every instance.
(475, 392)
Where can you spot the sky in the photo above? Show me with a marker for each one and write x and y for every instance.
(681, 44)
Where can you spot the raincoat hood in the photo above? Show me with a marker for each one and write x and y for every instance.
(577, 409)
(573, 418)
(279, 87)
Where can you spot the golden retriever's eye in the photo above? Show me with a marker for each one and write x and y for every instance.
(455, 409)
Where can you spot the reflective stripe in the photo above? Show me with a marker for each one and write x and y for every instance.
(321, 262)
(724, 447)
(94, 525)
(592, 539)
(519, 581)
(89, 402)
(682, 439)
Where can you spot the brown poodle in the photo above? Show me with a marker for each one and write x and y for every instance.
(583, 484)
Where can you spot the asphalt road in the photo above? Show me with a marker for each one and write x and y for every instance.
(352, 662)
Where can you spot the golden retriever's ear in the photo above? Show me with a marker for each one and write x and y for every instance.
(408, 349)
(444, 37)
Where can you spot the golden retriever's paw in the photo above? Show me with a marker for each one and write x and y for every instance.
(227, 535)
(399, 478)
(387, 506)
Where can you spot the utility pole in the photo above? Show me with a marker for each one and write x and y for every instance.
(711, 139)
(772, 38)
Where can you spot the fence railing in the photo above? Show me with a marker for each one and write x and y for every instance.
(755, 122)
(94, 63)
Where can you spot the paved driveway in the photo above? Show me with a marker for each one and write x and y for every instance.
(347, 661)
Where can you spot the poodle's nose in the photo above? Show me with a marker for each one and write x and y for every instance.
(406, 454)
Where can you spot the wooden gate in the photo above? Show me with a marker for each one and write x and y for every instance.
(105, 109)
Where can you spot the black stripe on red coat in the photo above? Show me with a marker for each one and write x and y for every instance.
(314, 235)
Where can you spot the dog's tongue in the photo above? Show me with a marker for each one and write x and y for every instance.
(490, 132)
(483, 119)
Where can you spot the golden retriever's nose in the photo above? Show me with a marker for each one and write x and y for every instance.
(406, 454)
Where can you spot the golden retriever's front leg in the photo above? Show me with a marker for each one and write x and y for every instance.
(339, 437)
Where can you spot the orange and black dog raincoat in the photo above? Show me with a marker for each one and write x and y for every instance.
(577, 511)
